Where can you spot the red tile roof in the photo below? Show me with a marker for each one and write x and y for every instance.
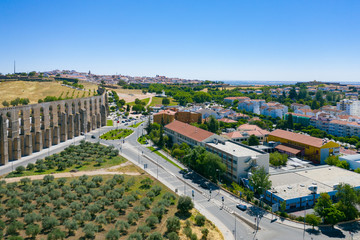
(287, 149)
(189, 131)
(227, 120)
(296, 137)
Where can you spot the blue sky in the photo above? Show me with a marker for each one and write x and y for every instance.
(216, 40)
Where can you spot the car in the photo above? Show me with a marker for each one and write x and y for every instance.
(188, 176)
(205, 184)
(242, 207)
(93, 136)
(82, 133)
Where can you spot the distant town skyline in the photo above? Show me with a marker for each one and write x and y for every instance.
(206, 40)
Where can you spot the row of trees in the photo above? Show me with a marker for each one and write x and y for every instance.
(91, 204)
(72, 156)
(343, 210)
(17, 101)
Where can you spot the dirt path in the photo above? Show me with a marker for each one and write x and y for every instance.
(104, 171)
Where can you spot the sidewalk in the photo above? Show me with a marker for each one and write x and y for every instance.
(236, 200)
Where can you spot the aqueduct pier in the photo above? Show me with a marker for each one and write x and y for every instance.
(31, 128)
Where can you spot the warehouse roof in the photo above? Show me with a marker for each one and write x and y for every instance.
(296, 137)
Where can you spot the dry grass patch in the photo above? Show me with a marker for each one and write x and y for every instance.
(39, 90)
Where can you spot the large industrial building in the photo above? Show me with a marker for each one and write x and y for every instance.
(301, 188)
(239, 158)
(304, 146)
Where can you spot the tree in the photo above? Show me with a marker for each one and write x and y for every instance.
(32, 230)
(143, 230)
(333, 215)
(20, 169)
(155, 236)
(122, 226)
(135, 236)
(259, 181)
(113, 234)
(173, 236)
(49, 223)
(292, 93)
(5, 103)
(253, 140)
(165, 101)
(146, 183)
(312, 219)
(56, 234)
(173, 224)
(185, 204)
(289, 122)
(213, 125)
(200, 220)
(132, 217)
(348, 199)
(323, 203)
(71, 226)
(151, 221)
(90, 229)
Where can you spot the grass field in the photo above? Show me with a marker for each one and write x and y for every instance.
(157, 100)
(39, 90)
(146, 100)
(136, 125)
(109, 122)
(142, 140)
(116, 134)
(164, 157)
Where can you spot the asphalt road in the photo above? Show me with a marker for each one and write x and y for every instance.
(221, 214)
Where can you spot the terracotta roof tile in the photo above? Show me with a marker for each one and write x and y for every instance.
(189, 131)
(296, 137)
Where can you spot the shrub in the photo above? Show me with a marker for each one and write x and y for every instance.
(20, 169)
(200, 220)
(173, 224)
(151, 221)
(90, 229)
(113, 234)
(155, 236)
(56, 234)
(185, 204)
(205, 233)
(143, 230)
(132, 218)
(32, 230)
(173, 236)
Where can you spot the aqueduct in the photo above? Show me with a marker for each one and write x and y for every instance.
(31, 128)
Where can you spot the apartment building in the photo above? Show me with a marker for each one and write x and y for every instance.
(351, 107)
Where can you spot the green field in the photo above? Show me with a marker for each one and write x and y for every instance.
(157, 100)
(84, 157)
(142, 140)
(136, 125)
(146, 100)
(116, 134)
(109, 123)
(164, 157)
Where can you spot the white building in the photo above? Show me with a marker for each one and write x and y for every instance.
(351, 107)
(239, 158)
(352, 160)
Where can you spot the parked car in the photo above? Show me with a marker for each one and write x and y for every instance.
(205, 184)
(93, 136)
(242, 207)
